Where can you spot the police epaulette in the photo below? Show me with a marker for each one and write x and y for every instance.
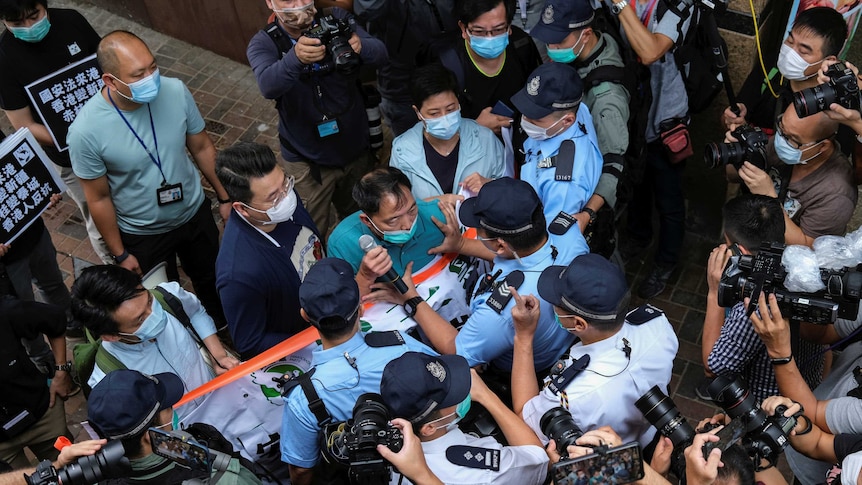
(502, 293)
(384, 339)
(643, 314)
(474, 457)
(561, 224)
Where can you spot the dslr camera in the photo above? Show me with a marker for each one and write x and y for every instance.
(355, 442)
(765, 436)
(662, 413)
(335, 35)
(557, 424)
(109, 462)
(751, 147)
(841, 88)
(746, 275)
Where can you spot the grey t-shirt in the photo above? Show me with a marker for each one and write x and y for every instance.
(669, 99)
(822, 202)
(843, 414)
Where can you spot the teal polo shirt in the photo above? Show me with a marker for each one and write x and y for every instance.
(344, 241)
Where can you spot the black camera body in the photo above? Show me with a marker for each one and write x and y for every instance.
(662, 413)
(743, 274)
(109, 462)
(841, 88)
(751, 147)
(765, 436)
(357, 441)
(335, 35)
(557, 424)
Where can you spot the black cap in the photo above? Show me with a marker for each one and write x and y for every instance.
(416, 384)
(560, 18)
(329, 290)
(504, 206)
(551, 87)
(590, 286)
(125, 401)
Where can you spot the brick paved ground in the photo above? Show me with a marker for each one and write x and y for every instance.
(229, 100)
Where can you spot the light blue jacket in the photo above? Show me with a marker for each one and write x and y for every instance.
(479, 151)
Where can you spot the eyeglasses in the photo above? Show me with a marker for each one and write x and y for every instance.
(286, 189)
(779, 130)
(500, 30)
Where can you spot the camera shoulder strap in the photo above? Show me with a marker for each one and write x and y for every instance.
(502, 293)
(560, 381)
(643, 314)
(278, 38)
(474, 457)
(315, 404)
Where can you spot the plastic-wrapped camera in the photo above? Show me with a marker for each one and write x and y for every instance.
(750, 147)
(841, 88)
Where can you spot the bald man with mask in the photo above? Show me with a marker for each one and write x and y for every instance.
(807, 172)
(142, 188)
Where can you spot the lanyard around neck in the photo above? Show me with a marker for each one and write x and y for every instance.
(157, 159)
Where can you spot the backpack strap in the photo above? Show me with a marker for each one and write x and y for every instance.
(280, 40)
(174, 306)
(106, 361)
(315, 404)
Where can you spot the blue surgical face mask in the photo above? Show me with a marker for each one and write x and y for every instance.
(463, 408)
(566, 54)
(790, 155)
(460, 411)
(443, 127)
(34, 33)
(489, 47)
(557, 319)
(144, 90)
(397, 237)
(152, 326)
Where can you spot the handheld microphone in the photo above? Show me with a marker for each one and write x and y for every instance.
(367, 243)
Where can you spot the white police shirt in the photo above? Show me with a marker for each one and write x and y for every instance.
(522, 465)
(605, 393)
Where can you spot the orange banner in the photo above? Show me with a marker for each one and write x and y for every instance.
(289, 346)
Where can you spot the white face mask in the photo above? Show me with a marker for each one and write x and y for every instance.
(280, 212)
(537, 132)
(792, 66)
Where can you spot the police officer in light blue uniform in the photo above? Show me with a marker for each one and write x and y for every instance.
(565, 175)
(346, 365)
(509, 219)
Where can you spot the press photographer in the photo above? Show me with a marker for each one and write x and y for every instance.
(805, 170)
(831, 406)
(126, 405)
(729, 343)
(308, 63)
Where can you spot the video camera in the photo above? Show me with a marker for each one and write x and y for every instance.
(109, 462)
(557, 424)
(335, 35)
(765, 436)
(354, 443)
(750, 147)
(841, 88)
(746, 276)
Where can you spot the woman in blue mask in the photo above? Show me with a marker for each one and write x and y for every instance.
(444, 152)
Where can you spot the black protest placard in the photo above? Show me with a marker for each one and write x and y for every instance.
(59, 96)
(27, 180)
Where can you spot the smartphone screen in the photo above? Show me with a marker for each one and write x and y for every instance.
(623, 464)
(185, 453)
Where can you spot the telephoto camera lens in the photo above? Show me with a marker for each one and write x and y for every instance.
(109, 462)
(558, 425)
(731, 393)
(662, 413)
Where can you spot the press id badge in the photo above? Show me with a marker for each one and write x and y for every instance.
(327, 127)
(168, 194)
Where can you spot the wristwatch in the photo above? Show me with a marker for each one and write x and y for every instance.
(122, 257)
(67, 367)
(781, 360)
(619, 6)
(590, 213)
(411, 305)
